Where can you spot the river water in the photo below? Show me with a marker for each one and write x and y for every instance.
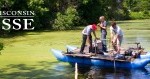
(66, 71)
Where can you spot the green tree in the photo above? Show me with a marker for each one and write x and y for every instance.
(38, 6)
(5, 5)
(90, 10)
(139, 9)
(66, 20)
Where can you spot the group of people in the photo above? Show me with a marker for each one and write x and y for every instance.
(116, 35)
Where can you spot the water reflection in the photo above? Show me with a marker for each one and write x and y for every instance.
(110, 73)
(62, 70)
(66, 71)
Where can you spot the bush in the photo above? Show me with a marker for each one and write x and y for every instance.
(136, 15)
(121, 14)
(1, 47)
(146, 14)
(140, 15)
(66, 20)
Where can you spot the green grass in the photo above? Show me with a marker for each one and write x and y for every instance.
(28, 56)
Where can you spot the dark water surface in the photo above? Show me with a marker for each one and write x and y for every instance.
(68, 72)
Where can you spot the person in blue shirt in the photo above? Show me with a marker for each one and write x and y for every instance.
(103, 31)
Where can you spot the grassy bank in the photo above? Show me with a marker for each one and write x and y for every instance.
(29, 56)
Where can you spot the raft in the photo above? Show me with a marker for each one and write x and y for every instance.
(100, 60)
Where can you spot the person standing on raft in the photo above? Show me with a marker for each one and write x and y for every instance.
(103, 31)
(86, 36)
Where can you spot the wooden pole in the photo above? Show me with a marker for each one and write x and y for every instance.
(95, 46)
(76, 71)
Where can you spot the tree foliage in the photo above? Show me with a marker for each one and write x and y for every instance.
(66, 14)
(139, 9)
(66, 20)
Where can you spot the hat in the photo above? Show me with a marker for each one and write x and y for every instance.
(94, 26)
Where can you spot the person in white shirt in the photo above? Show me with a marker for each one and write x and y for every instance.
(88, 37)
(116, 36)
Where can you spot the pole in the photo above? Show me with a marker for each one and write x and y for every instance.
(95, 46)
(114, 64)
(76, 71)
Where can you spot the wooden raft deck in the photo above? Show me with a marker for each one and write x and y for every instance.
(98, 57)
(78, 55)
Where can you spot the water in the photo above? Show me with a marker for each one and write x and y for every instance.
(144, 42)
(66, 71)
(105, 73)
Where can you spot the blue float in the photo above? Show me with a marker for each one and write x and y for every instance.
(140, 62)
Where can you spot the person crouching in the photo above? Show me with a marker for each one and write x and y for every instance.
(88, 37)
(116, 34)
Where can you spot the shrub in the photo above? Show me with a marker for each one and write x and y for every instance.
(140, 15)
(146, 14)
(66, 20)
(1, 47)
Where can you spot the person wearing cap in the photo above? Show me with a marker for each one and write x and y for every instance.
(88, 37)
(103, 31)
(116, 36)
